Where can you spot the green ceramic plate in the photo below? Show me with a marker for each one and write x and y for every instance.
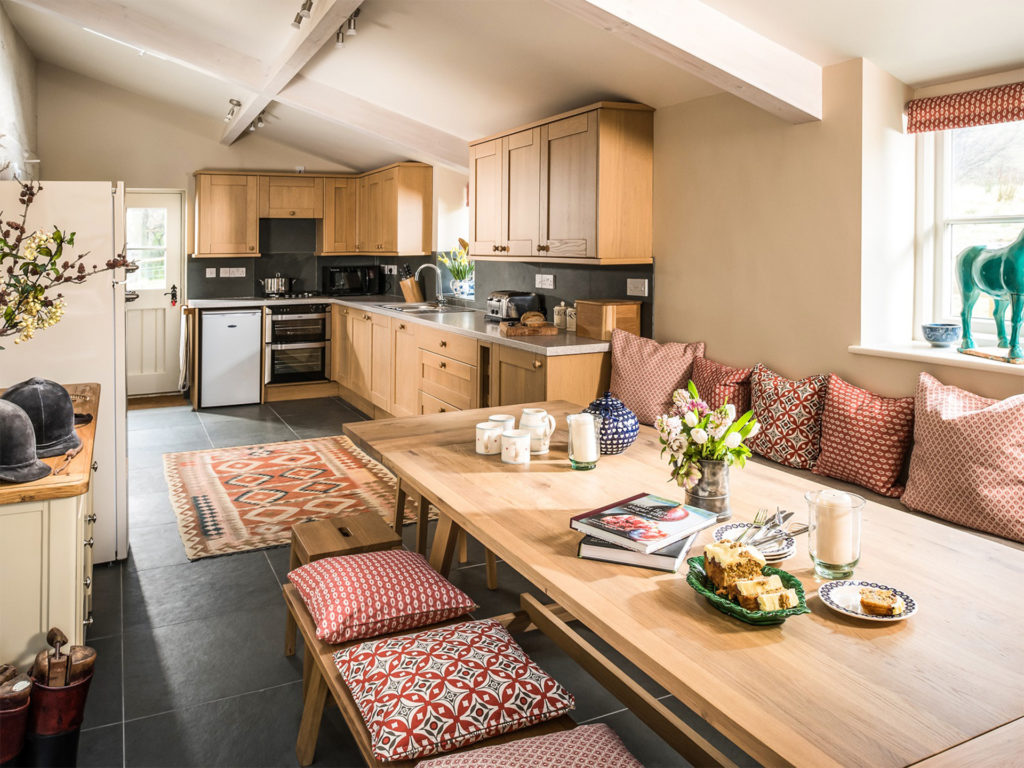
(698, 579)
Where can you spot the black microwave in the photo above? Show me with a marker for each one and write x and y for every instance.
(352, 281)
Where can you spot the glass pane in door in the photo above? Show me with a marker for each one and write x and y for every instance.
(146, 244)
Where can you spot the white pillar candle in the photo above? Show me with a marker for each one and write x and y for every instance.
(836, 528)
(584, 437)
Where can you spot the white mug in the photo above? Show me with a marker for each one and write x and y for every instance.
(488, 437)
(507, 420)
(515, 446)
(541, 426)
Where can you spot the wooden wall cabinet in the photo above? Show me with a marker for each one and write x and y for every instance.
(338, 233)
(227, 215)
(405, 365)
(291, 197)
(395, 208)
(577, 187)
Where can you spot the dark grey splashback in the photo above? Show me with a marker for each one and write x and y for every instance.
(572, 281)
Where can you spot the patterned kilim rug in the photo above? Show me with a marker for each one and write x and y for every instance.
(239, 499)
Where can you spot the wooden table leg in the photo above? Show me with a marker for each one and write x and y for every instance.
(291, 629)
(445, 539)
(422, 521)
(400, 497)
(492, 569)
(313, 703)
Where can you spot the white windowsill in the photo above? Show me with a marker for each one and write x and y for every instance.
(923, 352)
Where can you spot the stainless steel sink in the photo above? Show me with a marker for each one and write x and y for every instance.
(425, 308)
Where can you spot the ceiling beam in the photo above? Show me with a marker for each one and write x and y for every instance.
(179, 44)
(306, 41)
(323, 101)
(714, 47)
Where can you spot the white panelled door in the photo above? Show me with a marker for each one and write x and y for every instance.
(154, 228)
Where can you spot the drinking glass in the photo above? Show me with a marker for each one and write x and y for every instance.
(584, 445)
(834, 535)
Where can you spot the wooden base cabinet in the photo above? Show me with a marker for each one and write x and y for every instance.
(381, 361)
(517, 376)
(405, 364)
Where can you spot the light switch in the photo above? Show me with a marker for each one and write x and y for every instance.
(636, 287)
(211, 271)
(545, 281)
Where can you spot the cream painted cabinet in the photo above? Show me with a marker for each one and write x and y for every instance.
(576, 187)
(291, 197)
(227, 215)
(405, 366)
(381, 360)
(338, 232)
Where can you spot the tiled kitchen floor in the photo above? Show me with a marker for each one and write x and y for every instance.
(191, 670)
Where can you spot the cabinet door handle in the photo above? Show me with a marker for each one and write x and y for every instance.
(401, 327)
(291, 213)
(538, 364)
(252, 247)
(494, 248)
(441, 410)
(444, 344)
(87, 622)
(87, 581)
(95, 466)
(366, 317)
(90, 542)
(90, 518)
(442, 365)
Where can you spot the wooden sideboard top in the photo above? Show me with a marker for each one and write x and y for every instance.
(74, 479)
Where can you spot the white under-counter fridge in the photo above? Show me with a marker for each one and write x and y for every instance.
(232, 346)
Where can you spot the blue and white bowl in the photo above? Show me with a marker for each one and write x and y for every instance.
(942, 334)
(619, 425)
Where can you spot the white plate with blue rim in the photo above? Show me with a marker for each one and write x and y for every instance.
(773, 553)
(843, 596)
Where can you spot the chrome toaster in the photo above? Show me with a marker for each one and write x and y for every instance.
(511, 305)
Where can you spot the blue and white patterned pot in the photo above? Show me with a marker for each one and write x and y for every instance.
(619, 426)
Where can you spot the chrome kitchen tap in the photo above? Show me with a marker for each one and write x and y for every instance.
(441, 300)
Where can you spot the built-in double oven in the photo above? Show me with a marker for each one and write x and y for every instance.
(298, 340)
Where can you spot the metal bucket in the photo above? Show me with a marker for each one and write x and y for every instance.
(712, 490)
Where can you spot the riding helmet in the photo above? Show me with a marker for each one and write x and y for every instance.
(49, 407)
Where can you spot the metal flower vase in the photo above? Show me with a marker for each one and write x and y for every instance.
(712, 490)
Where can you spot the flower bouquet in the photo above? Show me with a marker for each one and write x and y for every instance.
(461, 268)
(693, 434)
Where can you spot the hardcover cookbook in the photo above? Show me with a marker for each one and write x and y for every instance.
(643, 523)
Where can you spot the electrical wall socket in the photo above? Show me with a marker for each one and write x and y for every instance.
(232, 271)
(636, 287)
(545, 281)
(390, 269)
(211, 271)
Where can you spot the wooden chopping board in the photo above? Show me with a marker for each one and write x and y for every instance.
(515, 329)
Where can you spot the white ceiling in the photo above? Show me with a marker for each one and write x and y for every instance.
(474, 67)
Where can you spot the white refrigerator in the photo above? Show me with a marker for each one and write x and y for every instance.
(88, 343)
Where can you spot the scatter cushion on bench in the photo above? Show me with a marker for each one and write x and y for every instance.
(967, 465)
(646, 373)
(376, 593)
(789, 414)
(719, 384)
(864, 437)
(440, 689)
(588, 746)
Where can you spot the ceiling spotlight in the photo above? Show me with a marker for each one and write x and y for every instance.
(339, 38)
(235, 104)
(307, 6)
(252, 127)
(259, 120)
(352, 23)
(297, 21)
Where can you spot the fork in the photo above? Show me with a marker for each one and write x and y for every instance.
(759, 520)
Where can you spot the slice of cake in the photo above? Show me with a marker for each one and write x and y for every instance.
(727, 562)
(746, 592)
(777, 601)
(880, 602)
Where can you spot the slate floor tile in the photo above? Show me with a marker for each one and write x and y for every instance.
(227, 435)
(157, 597)
(101, 747)
(149, 418)
(152, 508)
(155, 546)
(103, 706)
(192, 662)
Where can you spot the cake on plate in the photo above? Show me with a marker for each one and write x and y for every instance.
(747, 591)
(777, 600)
(727, 562)
(880, 602)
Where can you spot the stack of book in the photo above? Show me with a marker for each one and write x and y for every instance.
(643, 530)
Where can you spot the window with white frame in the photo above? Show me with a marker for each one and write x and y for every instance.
(978, 175)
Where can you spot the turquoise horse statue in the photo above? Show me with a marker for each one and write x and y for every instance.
(999, 272)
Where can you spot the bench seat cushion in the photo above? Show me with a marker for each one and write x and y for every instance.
(967, 465)
(376, 593)
(646, 373)
(588, 746)
(865, 437)
(440, 689)
(719, 384)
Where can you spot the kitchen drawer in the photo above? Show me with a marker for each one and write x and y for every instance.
(448, 379)
(461, 348)
(430, 404)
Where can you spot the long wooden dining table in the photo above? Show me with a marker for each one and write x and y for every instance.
(822, 689)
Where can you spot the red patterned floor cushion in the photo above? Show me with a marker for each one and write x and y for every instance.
(789, 413)
(353, 596)
(646, 373)
(967, 465)
(588, 746)
(864, 437)
(719, 384)
(443, 688)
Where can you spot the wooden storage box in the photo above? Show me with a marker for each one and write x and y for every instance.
(595, 318)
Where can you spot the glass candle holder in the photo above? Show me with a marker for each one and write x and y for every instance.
(834, 535)
(584, 445)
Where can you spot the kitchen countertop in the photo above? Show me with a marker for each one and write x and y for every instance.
(470, 323)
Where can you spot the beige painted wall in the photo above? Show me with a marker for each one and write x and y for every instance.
(760, 228)
(17, 102)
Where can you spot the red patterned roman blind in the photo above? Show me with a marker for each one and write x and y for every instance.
(1003, 104)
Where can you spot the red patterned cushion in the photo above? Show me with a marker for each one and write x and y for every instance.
(376, 593)
(443, 688)
(719, 384)
(864, 437)
(589, 746)
(646, 373)
(789, 413)
(967, 465)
